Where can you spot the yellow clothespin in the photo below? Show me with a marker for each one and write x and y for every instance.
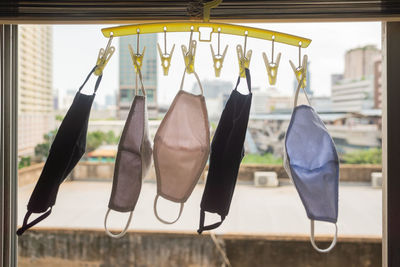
(218, 58)
(137, 58)
(103, 57)
(165, 57)
(244, 60)
(272, 68)
(189, 56)
(300, 71)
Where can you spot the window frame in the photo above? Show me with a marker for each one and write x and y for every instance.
(390, 127)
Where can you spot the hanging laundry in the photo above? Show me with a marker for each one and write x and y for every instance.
(227, 151)
(68, 147)
(311, 161)
(133, 160)
(181, 147)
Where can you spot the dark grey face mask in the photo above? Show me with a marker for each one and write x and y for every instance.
(132, 162)
(227, 151)
(65, 152)
(312, 163)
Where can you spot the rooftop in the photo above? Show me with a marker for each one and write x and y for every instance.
(253, 210)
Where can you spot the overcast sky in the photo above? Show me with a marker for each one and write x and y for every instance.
(76, 48)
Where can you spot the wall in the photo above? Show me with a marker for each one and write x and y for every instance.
(348, 172)
(29, 175)
(61, 247)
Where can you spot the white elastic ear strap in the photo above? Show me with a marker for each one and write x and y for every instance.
(296, 96)
(141, 83)
(313, 239)
(162, 220)
(123, 231)
(197, 78)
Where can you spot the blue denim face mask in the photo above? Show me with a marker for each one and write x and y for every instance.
(311, 161)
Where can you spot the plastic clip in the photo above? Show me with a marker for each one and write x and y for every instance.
(244, 60)
(189, 56)
(137, 58)
(103, 57)
(301, 71)
(218, 58)
(272, 68)
(165, 59)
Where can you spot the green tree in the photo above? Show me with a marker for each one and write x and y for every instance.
(42, 150)
(367, 156)
(24, 162)
(98, 138)
(94, 140)
(59, 117)
(266, 158)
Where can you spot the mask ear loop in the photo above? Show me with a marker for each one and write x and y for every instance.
(190, 53)
(332, 245)
(139, 74)
(197, 78)
(298, 90)
(123, 231)
(162, 220)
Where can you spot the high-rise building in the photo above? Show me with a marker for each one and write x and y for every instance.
(127, 76)
(356, 90)
(35, 86)
(359, 62)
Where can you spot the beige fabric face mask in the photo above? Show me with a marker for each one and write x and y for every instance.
(181, 148)
(132, 162)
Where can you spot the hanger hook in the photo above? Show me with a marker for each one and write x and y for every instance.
(245, 44)
(165, 40)
(207, 8)
(273, 46)
(191, 38)
(137, 42)
(300, 43)
(219, 41)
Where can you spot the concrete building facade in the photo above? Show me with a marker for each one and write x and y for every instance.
(356, 90)
(378, 84)
(35, 86)
(127, 75)
(353, 96)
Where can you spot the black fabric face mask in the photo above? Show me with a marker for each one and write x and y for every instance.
(227, 151)
(66, 150)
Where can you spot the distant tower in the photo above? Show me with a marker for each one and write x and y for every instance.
(127, 76)
(35, 86)
(308, 78)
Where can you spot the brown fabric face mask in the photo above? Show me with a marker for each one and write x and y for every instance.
(132, 162)
(181, 148)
